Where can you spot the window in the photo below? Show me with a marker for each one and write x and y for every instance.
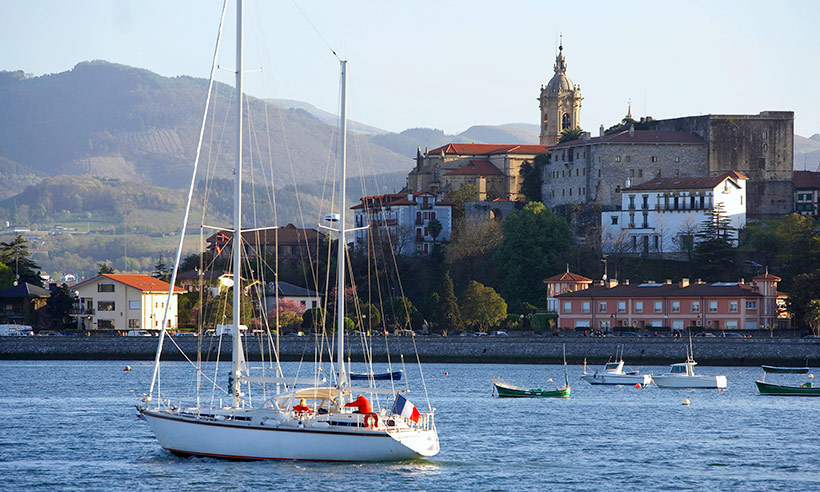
(675, 306)
(585, 307)
(695, 306)
(731, 324)
(602, 307)
(765, 147)
(658, 306)
(677, 159)
(599, 173)
(654, 158)
(764, 135)
(621, 306)
(105, 305)
(133, 324)
(631, 173)
(133, 304)
(628, 159)
(677, 324)
(105, 287)
(105, 324)
(640, 173)
(638, 306)
(567, 307)
(617, 158)
(614, 220)
(712, 306)
(732, 306)
(751, 304)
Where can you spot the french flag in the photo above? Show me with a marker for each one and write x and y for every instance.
(406, 409)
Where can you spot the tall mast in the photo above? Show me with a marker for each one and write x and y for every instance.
(340, 263)
(236, 348)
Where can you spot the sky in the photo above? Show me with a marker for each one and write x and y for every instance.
(453, 64)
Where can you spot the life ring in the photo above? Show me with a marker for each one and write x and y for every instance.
(375, 419)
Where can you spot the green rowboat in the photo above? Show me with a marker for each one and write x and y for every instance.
(785, 370)
(769, 389)
(505, 390)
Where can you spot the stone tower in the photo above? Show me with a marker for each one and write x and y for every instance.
(560, 102)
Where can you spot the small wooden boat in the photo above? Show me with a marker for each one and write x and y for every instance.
(506, 390)
(785, 370)
(769, 389)
(377, 376)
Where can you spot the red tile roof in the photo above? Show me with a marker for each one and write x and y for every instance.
(806, 179)
(488, 149)
(567, 276)
(145, 283)
(638, 136)
(708, 182)
(637, 291)
(395, 199)
(478, 167)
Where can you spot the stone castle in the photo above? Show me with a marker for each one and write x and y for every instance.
(594, 170)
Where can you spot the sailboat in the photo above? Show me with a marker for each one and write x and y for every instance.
(323, 426)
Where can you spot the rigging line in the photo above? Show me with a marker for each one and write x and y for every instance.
(316, 30)
(188, 205)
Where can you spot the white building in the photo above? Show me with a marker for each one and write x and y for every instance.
(402, 221)
(124, 303)
(664, 215)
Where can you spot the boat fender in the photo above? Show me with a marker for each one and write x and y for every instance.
(374, 420)
(638, 385)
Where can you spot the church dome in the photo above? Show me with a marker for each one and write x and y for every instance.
(560, 82)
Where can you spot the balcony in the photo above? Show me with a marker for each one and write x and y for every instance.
(81, 312)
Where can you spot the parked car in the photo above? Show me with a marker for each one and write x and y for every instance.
(705, 335)
(499, 333)
(629, 334)
(731, 335)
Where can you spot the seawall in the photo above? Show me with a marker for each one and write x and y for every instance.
(513, 349)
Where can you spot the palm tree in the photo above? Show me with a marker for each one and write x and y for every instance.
(570, 134)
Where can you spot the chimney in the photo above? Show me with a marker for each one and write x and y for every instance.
(684, 282)
(626, 282)
(586, 136)
(601, 131)
(613, 282)
(631, 130)
(669, 281)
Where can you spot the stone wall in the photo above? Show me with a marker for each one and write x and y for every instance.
(514, 349)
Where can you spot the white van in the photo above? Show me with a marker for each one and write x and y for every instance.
(139, 333)
(11, 330)
(226, 329)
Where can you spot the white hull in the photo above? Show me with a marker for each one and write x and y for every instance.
(617, 379)
(311, 440)
(676, 381)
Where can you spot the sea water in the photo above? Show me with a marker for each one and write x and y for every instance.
(72, 425)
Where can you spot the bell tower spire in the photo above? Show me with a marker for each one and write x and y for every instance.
(560, 102)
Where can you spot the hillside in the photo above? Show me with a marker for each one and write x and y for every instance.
(121, 122)
(807, 153)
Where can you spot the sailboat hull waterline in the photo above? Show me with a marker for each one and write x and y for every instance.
(294, 440)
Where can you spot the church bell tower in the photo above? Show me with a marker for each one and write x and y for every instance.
(560, 103)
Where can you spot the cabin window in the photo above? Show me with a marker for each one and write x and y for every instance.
(675, 306)
(105, 287)
(732, 306)
(712, 306)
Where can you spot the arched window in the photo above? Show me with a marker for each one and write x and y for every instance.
(565, 124)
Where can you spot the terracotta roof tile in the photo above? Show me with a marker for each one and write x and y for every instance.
(478, 167)
(567, 276)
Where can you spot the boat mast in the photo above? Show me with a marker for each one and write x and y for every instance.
(236, 347)
(340, 263)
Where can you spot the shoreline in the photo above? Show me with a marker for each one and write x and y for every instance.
(513, 349)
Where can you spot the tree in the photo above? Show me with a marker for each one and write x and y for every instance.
(805, 289)
(58, 306)
(371, 317)
(459, 197)
(482, 306)
(434, 227)
(314, 319)
(531, 178)
(812, 317)
(469, 255)
(715, 253)
(161, 270)
(16, 256)
(105, 267)
(535, 246)
(798, 246)
(570, 134)
(446, 315)
(400, 313)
